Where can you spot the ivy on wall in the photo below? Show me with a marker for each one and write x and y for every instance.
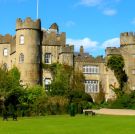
(116, 64)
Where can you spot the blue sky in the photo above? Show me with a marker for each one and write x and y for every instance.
(95, 24)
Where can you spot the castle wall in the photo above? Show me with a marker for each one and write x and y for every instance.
(53, 50)
(128, 53)
(5, 59)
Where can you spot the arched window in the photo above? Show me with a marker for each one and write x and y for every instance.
(47, 58)
(21, 58)
(5, 67)
(5, 52)
(21, 39)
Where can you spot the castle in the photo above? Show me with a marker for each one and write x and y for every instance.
(33, 45)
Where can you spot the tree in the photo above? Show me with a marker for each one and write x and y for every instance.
(77, 81)
(10, 88)
(61, 80)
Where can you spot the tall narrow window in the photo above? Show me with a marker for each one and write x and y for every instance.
(47, 58)
(21, 58)
(5, 52)
(21, 39)
(5, 67)
(47, 83)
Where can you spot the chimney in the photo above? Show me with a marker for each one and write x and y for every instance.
(81, 50)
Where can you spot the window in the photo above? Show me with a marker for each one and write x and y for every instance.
(91, 69)
(91, 86)
(5, 67)
(21, 39)
(47, 83)
(133, 71)
(5, 52)
(133, 88)
(48, 58)
(21, 58)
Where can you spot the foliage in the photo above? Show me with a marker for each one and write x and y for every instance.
(61, 82)
(77, 82)
(10, 88)
(50, 67)
(29, 100)
(100, 97)
(125, 101)
(57, 105)
(67, 88)
(116, 63)
(72, 109)
(80, 99)
(69, 84)
(9, 80)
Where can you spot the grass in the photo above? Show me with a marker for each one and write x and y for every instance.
(65, 124)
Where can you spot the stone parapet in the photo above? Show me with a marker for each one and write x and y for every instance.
(127, 38)
(5, 39)
(112, 51)
(28, 23)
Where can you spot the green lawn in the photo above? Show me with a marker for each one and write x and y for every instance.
(99, 124)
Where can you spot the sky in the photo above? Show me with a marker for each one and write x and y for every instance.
(95, 24)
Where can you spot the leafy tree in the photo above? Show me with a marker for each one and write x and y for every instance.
(77, 81)
(61, 82)
(9, 79)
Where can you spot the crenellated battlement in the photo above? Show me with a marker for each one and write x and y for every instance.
(128, 34)
(69, 48)
(112, 51)
(28, 23)
(127, 38)
(5, 39)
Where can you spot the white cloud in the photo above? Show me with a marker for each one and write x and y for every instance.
(114, 42)
(90, 2)
(70, 23)
(105, 6)
(86, 42)
(109, 12)
(93, 47)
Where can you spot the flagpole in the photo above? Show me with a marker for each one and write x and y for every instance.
(37, 7)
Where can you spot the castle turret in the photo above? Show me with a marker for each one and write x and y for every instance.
(127, 38)
(28, 44)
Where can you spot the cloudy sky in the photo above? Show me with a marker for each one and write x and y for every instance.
(95, 24)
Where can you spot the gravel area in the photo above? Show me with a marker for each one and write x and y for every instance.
(113, 111)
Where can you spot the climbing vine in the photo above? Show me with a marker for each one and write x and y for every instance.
(116, 64)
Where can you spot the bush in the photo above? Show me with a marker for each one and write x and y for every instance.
(72, 109)
(125, 101)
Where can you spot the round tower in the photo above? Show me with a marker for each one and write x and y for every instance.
(28, 50)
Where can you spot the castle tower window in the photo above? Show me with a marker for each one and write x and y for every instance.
(21, 58)
(21, 39)
(133, 71)
(91, 86)
(5, 67)
(47, 83)
(87, 69)
(47, 58)
(5, 52)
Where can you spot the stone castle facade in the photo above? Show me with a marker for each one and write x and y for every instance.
(32, 46)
